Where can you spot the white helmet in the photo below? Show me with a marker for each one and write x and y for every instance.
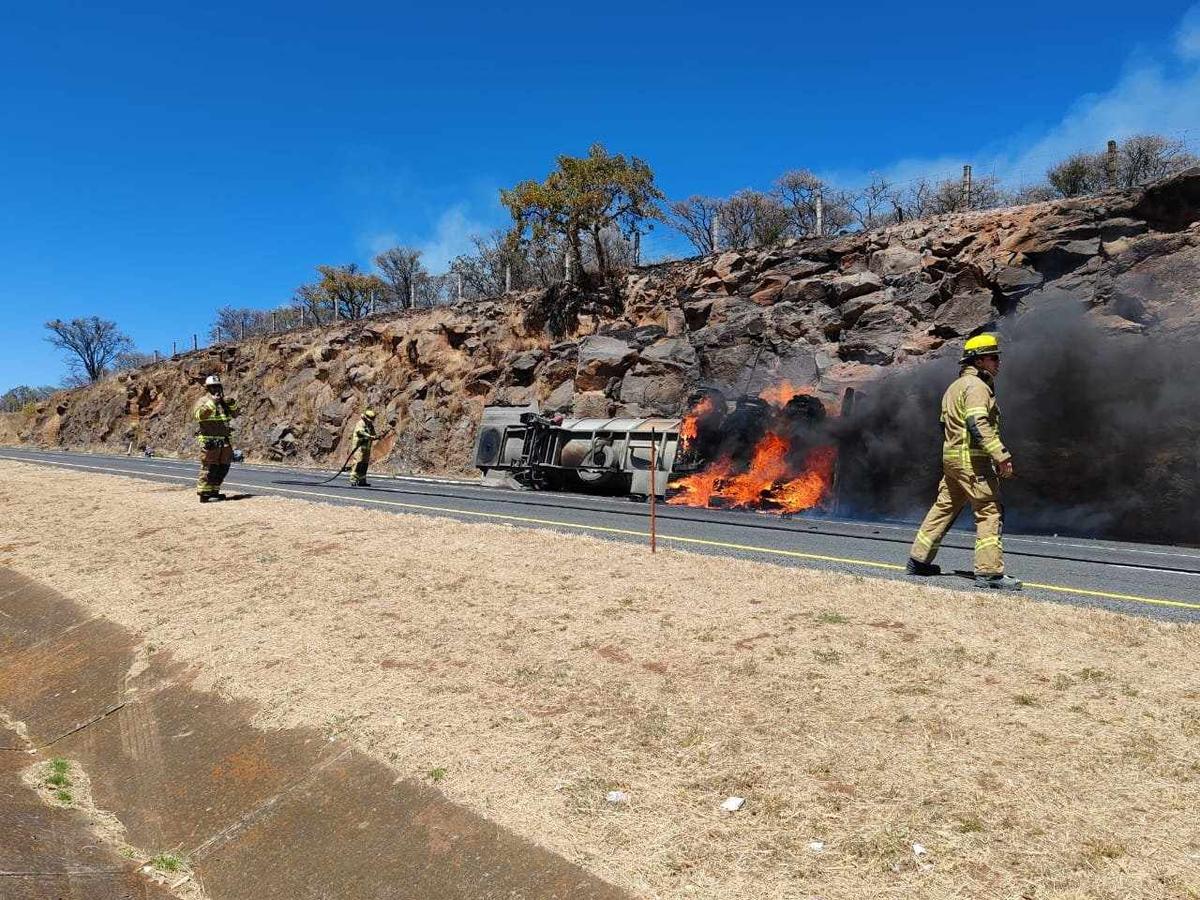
(212, 381)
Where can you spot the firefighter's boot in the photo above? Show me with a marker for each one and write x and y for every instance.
(998, 583)
(924, 569)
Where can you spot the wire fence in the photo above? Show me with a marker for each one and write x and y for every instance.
(1030, 170)
(996, 183)
(270, 323)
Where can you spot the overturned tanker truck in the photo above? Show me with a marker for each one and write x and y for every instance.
(769, 452)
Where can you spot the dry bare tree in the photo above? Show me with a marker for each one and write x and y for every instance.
(798, 191)
(875, 205)
(92, 346)
(696, 219)
(1147, 157)
(401, 268)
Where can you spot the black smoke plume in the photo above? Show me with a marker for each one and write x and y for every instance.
(1104, 432)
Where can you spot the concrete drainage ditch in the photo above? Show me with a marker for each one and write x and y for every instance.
(268, 815)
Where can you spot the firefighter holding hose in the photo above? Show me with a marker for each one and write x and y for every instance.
(212, 416)
(974, 460)
(364, 437)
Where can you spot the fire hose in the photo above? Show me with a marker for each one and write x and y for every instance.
(349, 457)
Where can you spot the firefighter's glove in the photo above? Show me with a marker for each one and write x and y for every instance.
(1005, 469)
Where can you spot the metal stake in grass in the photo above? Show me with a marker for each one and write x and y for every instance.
(653, 492)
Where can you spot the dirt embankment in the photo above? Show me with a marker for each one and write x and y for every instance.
(830, 313)
(889, 743)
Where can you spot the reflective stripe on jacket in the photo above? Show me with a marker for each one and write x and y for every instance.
(212, 415)
(364, 433)
(971, 420)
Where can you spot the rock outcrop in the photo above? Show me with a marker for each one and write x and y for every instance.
(831, 313)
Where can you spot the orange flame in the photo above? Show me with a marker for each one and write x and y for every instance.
(780, 394)
(767, 466)
(698, 489)
(811, 487)
(767, 484)
(690, 427)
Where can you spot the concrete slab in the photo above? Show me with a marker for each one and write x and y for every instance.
(354, 831)
(30, 612)
(266, 815)
(61, 684)
(178, 766)
(118, 886)
(50, 852)
(36, 837)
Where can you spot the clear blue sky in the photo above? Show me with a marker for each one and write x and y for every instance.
(156, 164)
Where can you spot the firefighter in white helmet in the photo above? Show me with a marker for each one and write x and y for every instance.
(213, 414)
(974, 460)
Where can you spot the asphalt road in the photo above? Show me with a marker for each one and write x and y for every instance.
(1143, 579)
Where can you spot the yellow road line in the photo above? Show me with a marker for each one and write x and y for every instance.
(626, 532)
(1181, 604)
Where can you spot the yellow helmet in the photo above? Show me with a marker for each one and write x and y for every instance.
(986, 344)
(368, 414)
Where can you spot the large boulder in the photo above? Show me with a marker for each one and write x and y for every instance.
(334, 413)
(660, 393)
(561, 398)
(670, 353)
(847, 287)
(793, 321)
(877, 334)
(895, 261)
(770, 289)
(794, 364)
(600, 358)
(725, 367)
(1014, 282)
(964, 313)
(1161, 290)
(811, 290)
(732, 268)
(592, 405)
(522, 366)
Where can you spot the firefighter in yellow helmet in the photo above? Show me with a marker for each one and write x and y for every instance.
(364, 437)
(212, 415)
(974, 460)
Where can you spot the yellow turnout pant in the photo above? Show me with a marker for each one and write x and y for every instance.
(978, 485)
(362, 459)
(215, 457)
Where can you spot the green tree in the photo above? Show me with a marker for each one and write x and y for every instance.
(752, 219)
(342, 292)
(1078, 174)
(585, 196)
(22, 396)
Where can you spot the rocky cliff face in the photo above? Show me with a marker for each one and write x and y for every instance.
(829, 313)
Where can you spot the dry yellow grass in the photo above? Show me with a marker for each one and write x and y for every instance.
(1034, 750)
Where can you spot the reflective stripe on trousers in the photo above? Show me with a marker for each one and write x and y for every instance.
(974, 484)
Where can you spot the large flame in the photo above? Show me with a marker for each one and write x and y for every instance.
(771, 481)
(698, 489)
(811, 487)
(690, 427)
(767, 484)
